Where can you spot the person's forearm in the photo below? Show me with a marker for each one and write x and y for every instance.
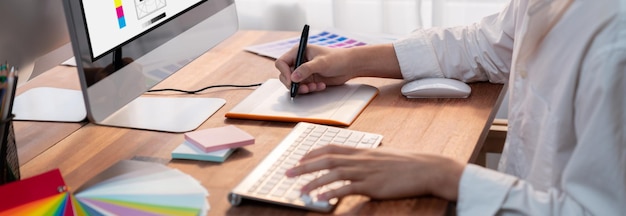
(446, 182)
(375, 61)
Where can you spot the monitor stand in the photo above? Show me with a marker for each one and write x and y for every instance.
(149, 113)
(50, 104)
(176, 114)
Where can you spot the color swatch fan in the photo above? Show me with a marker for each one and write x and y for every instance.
(45, 194)
(126, 188)
(141, 188)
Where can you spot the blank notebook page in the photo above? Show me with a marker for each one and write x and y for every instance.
(337, 105)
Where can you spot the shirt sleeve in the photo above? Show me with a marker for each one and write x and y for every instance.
(482, 191)
(593, 181)
(478, 52)
(487, 192)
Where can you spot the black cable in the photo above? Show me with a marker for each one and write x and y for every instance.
(205, 88)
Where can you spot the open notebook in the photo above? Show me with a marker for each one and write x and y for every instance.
(337, 105)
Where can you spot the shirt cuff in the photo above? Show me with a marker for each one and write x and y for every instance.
(482, 191)
(416, 57)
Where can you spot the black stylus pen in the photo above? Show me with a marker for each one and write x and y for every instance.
(300, 58)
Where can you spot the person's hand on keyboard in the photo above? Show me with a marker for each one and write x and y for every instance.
(380, 173)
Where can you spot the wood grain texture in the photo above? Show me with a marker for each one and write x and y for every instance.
(451, 127)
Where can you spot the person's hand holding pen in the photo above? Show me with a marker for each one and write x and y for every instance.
(320, 67)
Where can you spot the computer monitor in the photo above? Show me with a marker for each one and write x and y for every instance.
(34, 35)
(34, 38)
(125, 47)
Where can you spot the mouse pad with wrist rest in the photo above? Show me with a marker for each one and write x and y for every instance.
(337, 105)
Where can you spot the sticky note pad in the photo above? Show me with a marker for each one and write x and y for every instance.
(213, 139)
(189, 151)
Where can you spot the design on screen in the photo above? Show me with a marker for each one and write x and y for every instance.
(146, 7)
(120, 14)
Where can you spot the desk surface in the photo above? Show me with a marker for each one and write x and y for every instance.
(451, 127)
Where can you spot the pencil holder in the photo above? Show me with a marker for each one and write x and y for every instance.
(10, 166)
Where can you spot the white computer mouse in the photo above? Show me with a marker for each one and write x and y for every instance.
(436, 88)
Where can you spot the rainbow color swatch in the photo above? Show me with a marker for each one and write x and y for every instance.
(142, 188)
(55, 205)
(45, 194)
(127, 188)
(120, 13)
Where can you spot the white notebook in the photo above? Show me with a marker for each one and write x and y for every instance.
(337, 105)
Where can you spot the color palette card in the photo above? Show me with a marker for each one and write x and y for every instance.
(142, 188)
(44, 194)
(189, 151)
(330, 38)
(127, 188)
(219, 138)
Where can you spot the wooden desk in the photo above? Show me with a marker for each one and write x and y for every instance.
(451, 127)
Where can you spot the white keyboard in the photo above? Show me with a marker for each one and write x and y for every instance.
(268, 183)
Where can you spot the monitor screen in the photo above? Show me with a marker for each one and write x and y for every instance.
(113, 23)
(125, 47)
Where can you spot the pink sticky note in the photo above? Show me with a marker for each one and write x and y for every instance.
(214, 139)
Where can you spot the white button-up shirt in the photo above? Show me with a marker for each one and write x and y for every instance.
(565, 64)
